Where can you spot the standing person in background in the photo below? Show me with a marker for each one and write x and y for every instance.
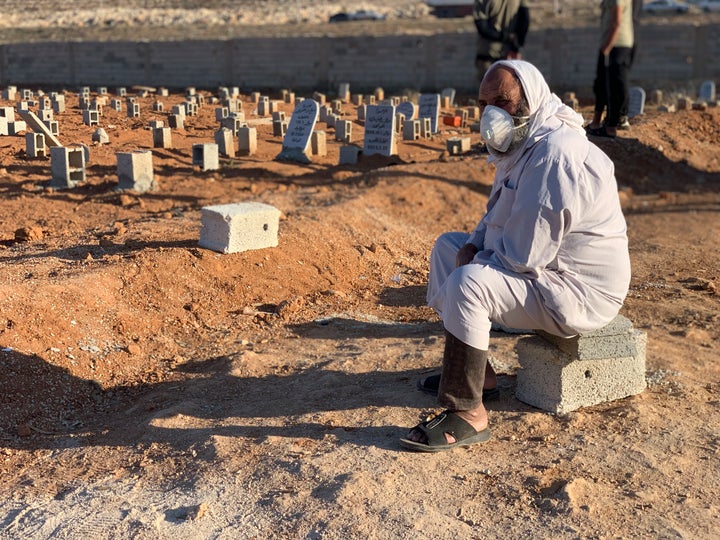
(636, 13)
(502, 26)
(613, 64)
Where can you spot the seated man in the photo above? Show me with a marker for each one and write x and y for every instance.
(550, 253)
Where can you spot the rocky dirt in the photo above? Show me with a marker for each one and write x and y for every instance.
(150, 388)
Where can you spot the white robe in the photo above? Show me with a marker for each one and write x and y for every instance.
(553, 247)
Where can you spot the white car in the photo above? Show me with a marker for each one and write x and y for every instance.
(708, 5)
(665, 6)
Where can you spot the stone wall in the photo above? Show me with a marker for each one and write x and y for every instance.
(669, 55)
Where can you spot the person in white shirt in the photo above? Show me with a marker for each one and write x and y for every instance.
(550, 253)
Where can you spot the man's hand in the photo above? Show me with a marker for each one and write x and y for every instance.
(465, 254)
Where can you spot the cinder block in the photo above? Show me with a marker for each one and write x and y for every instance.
(232, 228)
(16, 127)
(611, 341)
(135, 171)
(3, 126)
(411, 130)
(35, 145)
(247, 141)
(225, 141)
(205, 156)
(557, 381)
(318, 143)
(343, 131)
(176, 121)
(133, 109)
(91, 117)
(67, 166)
(458, 145)
(162, 137)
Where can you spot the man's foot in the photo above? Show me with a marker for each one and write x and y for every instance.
(624, 123)
(447, 430)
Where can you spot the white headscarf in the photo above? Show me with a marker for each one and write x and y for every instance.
(543, 104)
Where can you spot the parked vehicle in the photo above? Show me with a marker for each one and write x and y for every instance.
(449, 9)
(360, 15)
(708, 5)
(666, 6)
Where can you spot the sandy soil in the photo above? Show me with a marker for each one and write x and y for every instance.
(150, 388)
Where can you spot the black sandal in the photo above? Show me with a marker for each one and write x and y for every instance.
(446, 423)
(430, 385)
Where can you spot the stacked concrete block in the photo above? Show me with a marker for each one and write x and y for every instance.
(53, 127)
(399, 122)
(16, 127)
(426, 128)
(320, 98)
(318, 143)
(121, 91)
(247, 141)
(10, 93)
(205, 156)
(561, 375)
(290, 98)
(224, 138)
(191, 108)
(155, 124)
(116, 105)
(58, 103)
(411, 130)
(221, 112)
(162, 137)
(178, 110)
(83, 102)
(133, 109)
(232, 228)
(357, 99)
(135, 171)
(35, 145)
(176, 121)
(3, 126)
(102, 90)
(234, 122)
(458, 145)
(158, 106)
(343, 131)
(67, 166)
(266, 107)
(91, 117)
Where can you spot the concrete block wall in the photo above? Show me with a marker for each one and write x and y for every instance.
(674, 53)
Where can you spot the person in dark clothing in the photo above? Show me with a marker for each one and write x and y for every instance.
(613, 64)
(502, 27)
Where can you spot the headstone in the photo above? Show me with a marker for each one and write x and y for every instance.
(707, 91)
(297, 139)
(429, 107)
(380, 130)
(636, 105)
(35, 145)
(408, 109)
(344, 91)
(162, 137)
(232, 228)
(225, 141)
(247, 141)
(205, 156)
(100, 136)
(135, 171)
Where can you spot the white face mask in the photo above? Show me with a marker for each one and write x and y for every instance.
(498, 127)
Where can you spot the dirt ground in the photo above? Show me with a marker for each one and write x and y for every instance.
(150, 388)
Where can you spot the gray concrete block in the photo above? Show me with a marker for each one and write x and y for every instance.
(67, 166)
(231, 228)
(162, 137)
(556, 381)
(205, 156)
(458, 145)
(135, 171)
(611, 341)
(349, 155)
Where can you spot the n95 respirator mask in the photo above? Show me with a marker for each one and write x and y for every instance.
(498, 127)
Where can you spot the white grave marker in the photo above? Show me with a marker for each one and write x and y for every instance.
(296, 144)
(636, 105)
(380, 130)
(707, 91)
(449, 93)
(429, 107)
